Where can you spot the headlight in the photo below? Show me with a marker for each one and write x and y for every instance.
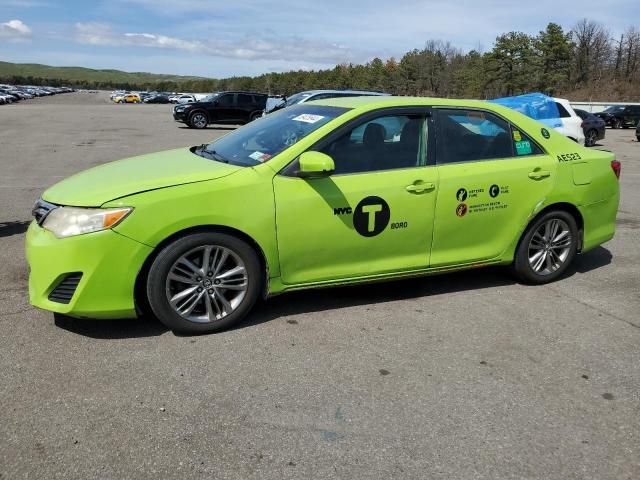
(70, 221)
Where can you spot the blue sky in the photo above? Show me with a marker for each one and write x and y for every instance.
(248, 37)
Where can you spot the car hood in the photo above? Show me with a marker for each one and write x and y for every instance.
(110, 181)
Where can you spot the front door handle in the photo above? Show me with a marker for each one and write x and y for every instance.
(539, 174)
(419, 187)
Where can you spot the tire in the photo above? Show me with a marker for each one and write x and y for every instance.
(590, 138)
(201, 304)
(198, 120)
(551, 262)
(617, 123)
(254, 116)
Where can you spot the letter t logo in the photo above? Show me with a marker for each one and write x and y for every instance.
(371, 210)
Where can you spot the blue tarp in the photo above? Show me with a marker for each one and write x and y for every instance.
(535, 105)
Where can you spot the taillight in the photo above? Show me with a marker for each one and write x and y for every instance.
(582, 125)
(616, 166)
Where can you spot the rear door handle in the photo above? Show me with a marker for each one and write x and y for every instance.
(539, 174)
(419, 187)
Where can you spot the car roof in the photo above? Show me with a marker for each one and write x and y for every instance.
(370, 92)
(240, 91)
(382, 101)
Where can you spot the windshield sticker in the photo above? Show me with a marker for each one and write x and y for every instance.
(260, 157)
(308, 118)
(523, 148)
(516, 136)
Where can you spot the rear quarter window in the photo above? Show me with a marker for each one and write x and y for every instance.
(563, 111)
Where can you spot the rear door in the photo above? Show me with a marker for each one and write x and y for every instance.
(224, 109)
(244, 106)
(492, 176)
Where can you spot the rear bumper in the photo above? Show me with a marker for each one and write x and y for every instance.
(599, 222)
(109, 264)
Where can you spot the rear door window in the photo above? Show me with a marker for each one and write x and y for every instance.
(563, 111)
(474, 135)
(226, 100)
(244, 100)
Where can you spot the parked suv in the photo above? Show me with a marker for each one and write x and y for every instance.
(620, 116)
(221, 107)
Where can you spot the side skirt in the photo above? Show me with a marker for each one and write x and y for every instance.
(276, 286)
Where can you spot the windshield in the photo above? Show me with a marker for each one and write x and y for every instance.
(613, 109)
(297, 98)
(210, 98)
(265, 138)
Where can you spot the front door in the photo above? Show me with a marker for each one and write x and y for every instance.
(492, 177)
(374, 215)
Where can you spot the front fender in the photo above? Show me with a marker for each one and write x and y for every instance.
(244, 203)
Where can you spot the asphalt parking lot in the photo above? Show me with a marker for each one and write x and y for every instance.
(467, 375)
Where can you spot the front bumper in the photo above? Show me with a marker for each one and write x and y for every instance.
(109, 263)
(180, 116)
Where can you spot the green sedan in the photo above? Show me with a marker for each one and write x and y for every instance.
(319, 194)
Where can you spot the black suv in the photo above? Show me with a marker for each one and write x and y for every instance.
(621, 116)
(221, 107)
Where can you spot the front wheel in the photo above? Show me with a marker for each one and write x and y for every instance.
(255, 116)
(198, 120)
(204, 282)
(547, 248)
(617, 123)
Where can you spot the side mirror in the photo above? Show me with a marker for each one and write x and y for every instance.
(315, 164)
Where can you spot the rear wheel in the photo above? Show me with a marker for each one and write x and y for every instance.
(204, 282)
(617, 123)
(547, 248)
(198, 120)
(591, 138)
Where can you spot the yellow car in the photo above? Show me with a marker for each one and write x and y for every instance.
(128, 98)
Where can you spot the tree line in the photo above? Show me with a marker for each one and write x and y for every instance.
(583, 63)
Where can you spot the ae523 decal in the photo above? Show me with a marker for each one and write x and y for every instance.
(370, 217)
(569, 157)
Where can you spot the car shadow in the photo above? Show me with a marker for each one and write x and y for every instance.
(121, 328)
(309, 301)
(320, 300)
(17, 227)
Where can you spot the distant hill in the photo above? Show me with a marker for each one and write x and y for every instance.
(79, 76)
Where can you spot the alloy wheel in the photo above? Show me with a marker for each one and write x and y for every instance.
(199, 120)
(550, 246)
(206, 284)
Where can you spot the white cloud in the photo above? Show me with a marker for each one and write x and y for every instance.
(15, 30)
(246, 47)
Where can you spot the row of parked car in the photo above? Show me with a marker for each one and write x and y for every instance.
(15, 93)
(239, 107)
(121, 96)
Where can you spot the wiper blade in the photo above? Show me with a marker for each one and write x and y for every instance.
(211, 154)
